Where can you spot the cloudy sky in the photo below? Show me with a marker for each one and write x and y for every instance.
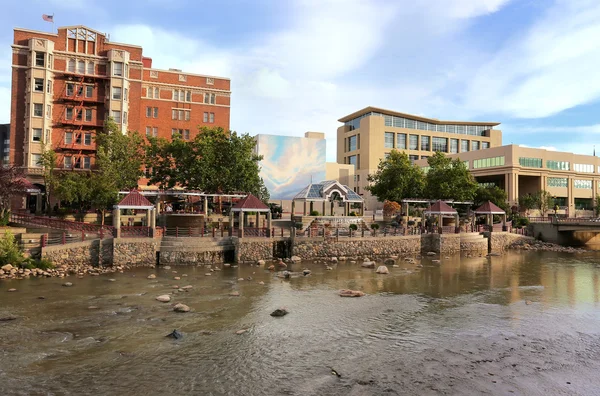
(299, 65)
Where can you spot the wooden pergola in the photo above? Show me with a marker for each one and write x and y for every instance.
(136, 201)
(440, 209)
(488, 209)
(250, 203)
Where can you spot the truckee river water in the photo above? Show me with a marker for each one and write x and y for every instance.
(525, 323)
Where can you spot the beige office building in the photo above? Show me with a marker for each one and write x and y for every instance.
(572, 179)
(368, 135)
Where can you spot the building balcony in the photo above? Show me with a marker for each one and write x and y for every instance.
(74, 75)
(34, 171)
(76, 146)
(66, 97)
(81, 123)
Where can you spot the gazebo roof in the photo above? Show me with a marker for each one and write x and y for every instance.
(134, 200)
(250, 203)
(489, 208)
(440, 208)
(324, 190)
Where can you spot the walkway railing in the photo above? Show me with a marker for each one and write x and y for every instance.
(59, 224)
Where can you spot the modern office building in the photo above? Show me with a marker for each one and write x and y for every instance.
(368, 135)
(65, 85)
(572, 179)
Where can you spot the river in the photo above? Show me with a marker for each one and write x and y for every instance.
(523, 323)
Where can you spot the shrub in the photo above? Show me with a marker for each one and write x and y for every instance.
(374, 226)
(5, 218)
(298, 226)
(10, 252)
(353, 214)
(44, 264)
(395, 224)
(353, 227)
(411, 223)
(314, 212)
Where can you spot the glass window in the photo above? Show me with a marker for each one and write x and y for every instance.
(79, 115)
(87, 163)
(116, 114)
(205, 119)
(155, 131)
(485, 145)
(488, 162)
(40, 59)
(124, 117)
(69, 113)
(413, 142)
(180, 114)
(89, 91)
(174, 132)
(116, 93)
(352, 143)
(409, 124)
(401, 141)
(87, 138)
(425, 145)
(464, 146)
(68, 137)
(211, 118)
(188, 96)
(155, 112)
(389, 140)
(38, 84)
(557, 165)
(81, 67)
(557, 182)
(118, 69)
(213, 98)
(206, 98)
(413, 158)
(49, 86)
(88, 115)
(68, 162)
(70, 89)
(125, 94)
(530, 162)
(453, 146)
(587, 184)
(174, 114)
(148, 112)
(156, 93)
(71, 65)
(148, 131)
(186, 134)
(352, 160)
(38, 110)
(79, 90)
(90, 68)
(187, 115)
(176, 94)
(36, 134)
(440, 144)
(48, 111)
(35, 160)
(583, 168)
(474, 145)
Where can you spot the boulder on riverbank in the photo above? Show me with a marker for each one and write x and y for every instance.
(351, 293)
(389, 261)
(279, 312)
(296, 259)
(531, 244)
(163, 298)
(368, 264)
(181, 308)
(382, 269)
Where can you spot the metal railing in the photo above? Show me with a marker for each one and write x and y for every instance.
(59, 224)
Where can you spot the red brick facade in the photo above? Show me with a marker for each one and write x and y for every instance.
(87, 78)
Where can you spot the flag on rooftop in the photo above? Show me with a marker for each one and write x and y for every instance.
(48, 18)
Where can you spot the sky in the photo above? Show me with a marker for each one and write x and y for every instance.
(300, 65)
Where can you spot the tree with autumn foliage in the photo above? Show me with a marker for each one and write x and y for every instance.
(390, 208)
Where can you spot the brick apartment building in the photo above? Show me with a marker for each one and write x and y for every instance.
(65, 85)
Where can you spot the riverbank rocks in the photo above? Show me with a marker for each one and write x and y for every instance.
(7, 267)
(261, 262)
(334, 259)
(306, 272)
(187, 287)
(281, 264)
(151, 276)
(382, 269)
(328, 268)
(164, 298)
(368, 264)
(271, 267)
(67, 284)
(389, 261)
(431, 253)
(351, 293)
(296, 259)
(531, 244)
(437, 262)
(176, 278)
(181, 308)
(279, 312)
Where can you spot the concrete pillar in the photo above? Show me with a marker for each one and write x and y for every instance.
(206, 206)
(153, 218)
(38, 204)
(257, 219)
(311, 206)
(323, 209)
(293, 209)
(331, 208)
(241, 233)
(269, 223)
(571, 197)
(304, 212)
(148, 217)
(231, 223)
(117, 222)
(345, 208)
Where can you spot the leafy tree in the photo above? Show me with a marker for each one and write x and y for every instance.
(494, 194)
(75, 188)
(214, 161)
(527, 202)
(103, 193)
(12, 184)
(120, 156)
(544, 201)
(48, 164)
(597, 206)
(390, 208)
(449, 179)
(396, 179)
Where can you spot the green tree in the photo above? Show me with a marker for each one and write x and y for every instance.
(75, 188)
(597, 205)
(120, 156)
(48, 164)
(103, 194)
(544, 201)
(396, 179)
(527, 202)
(449, 179)
(214, 162)
(494, 194)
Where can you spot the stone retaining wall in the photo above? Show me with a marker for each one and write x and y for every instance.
(254, 249)
(474, 246)
(308, 248)
(136, 252)
(502, 240)
(73, 254)
(192, 258)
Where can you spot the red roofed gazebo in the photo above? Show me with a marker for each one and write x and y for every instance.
(441, 209)
(489, 209)
(135, 200)
(250, 203)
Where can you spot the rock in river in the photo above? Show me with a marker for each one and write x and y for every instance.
(368, 264)
(67, 284)
(181, 308)
(431, 253)
(234, 294)
(389, 261)
(306, 272)
(296, 259)
(151, 276)
(163, 298)
(382, 269)
(12, 290)
(175, 334)
(279, 312)
(351, 293)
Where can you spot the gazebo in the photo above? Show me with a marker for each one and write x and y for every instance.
(324, 192)
(250, 203)
(134, 200)
(441, 209)
(488, 209)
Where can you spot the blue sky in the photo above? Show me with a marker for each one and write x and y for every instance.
(299, 65)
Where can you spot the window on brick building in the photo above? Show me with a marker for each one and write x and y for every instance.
(38, 84)
(206, 98)
(81, 67)
(213, 98)
(117, 93)
(36, 134)
(40, 59)
(174, 114)
(70, 89)
(36, 160)
(155, 131)
(148, 112)
(87, 138)
(69, 113)
(148, 131)
(38, 110)
(68, 162)
(188, 96)
(212, 118)
(124, 117)
(116, 115)
(181, 116)
(89, 91)
(91, 68)
(187, 115)
(77, 138)
(118, 69)
(87, 163)
(174, 132)
(49, 86)
(88, 115)
(68, 137)
(79, 114)
(80, 90)
(186, 134)
(48, 111)
(77, 162)
(71, 65)
(155, 112)
(205, 118)
(125, 94)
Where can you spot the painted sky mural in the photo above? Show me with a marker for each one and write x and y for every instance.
(290, 162)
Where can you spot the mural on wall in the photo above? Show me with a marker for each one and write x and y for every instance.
(289, 163)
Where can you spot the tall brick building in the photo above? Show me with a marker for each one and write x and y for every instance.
(65, 85)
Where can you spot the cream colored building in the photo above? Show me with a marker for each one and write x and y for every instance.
(368, 135)
(573, 179)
